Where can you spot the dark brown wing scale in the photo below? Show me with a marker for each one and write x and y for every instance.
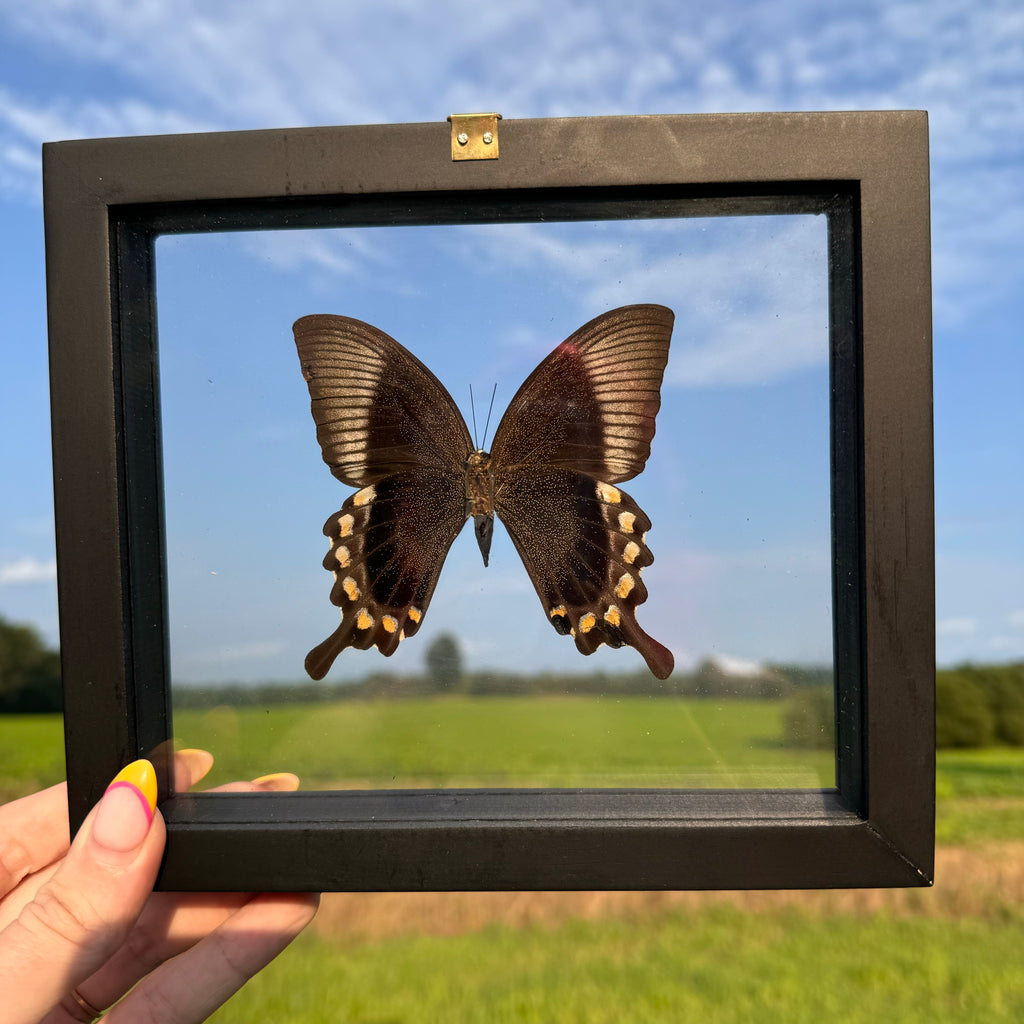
(582, 421)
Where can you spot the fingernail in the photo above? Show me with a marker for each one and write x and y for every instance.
(279, 781)
(126, 810)
(199, 762)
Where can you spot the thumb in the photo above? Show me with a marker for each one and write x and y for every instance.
(84, 912)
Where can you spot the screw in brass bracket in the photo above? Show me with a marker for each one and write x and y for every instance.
(474, 136)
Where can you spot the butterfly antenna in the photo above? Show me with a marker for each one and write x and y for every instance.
(489, 409)
(472, 409)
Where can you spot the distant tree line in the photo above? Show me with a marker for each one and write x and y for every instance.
(29, 671)
(980, 705)
(977, 705)
(445, 673)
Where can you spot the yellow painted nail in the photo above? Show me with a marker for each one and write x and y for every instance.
(141, 776)
(278, 781)
(199, 762)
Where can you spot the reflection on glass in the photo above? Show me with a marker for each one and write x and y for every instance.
(487, 693)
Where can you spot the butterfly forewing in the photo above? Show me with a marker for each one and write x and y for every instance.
(378, 409)
(591, 404)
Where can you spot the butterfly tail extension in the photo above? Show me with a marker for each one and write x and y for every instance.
(658, 657)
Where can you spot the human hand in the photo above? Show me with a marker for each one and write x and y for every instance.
(80, 924)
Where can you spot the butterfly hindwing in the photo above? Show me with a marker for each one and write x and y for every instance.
(583, 543)
(388, 544)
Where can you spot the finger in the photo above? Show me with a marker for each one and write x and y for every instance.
(279, 782)
(190, 765)
(173, 922)
(33, 834)
(25, 892)
(83, 912)
(190, 987)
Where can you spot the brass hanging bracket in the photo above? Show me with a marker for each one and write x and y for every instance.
(474, 136)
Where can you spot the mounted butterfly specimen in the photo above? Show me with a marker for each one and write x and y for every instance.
(582, 422)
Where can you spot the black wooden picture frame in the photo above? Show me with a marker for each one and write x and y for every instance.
(107, 200)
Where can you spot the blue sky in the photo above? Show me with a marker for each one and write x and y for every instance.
(737, 483)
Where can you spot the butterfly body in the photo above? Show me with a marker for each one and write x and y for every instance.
(480, 499)
(580, 424)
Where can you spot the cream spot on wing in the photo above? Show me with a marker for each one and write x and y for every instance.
(556, 612)
(345, 524)
(612, 615)
(608, 493)
(367, 494)
(415, 614)
(588, 622)
(389, 623)
(626, 520)
(351, 588)
(632, 550)
(625, 585)
(364, 620)
(341, 553)
(643, 537)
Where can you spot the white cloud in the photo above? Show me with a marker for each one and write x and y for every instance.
(961, 626)
(25, 125)
(1016, 618)
(1007, 646)
(750, 300)
(228, 655)
(28, 570)
(736, 666)
(189, 66)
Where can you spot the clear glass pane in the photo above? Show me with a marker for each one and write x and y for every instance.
(737, 488)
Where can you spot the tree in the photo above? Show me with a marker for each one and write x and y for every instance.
(809, 720)
(444, 663)
(963, 717)
(29, 671)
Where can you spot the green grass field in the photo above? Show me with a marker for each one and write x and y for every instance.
(720, 964)
(918, 957)
(500, 741)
